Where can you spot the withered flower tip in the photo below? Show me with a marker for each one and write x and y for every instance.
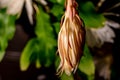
(71, 39)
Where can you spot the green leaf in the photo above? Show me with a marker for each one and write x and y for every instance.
(7, 30)
(57, 10)
(86, 64)
(28, 54)
(90, 16)
(2, 53)
(61, 1)
(53, 1)
(66, 77)
(43, 26)
(57, 1)
(3, 46)
(38, 65)
(41, 49)
(44, 32)
(57, 27)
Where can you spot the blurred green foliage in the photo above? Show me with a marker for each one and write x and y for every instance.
(90, 16)
(7, 30)
(86, 64)
(65, 77)
(41, 49)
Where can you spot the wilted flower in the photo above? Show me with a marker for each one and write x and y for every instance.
(71, 39)
(15, 6)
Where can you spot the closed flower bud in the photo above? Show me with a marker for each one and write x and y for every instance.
(71, 39)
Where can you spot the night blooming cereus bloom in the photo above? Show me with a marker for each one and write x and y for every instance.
(71, 39)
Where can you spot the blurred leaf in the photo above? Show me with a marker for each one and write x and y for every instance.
(7, 30)
(57, 10)
(3, 46)
(90, 15)
(57, 27)
(26, 55)
(66, 77)
(44, 32)
(43, 26)
(2, 53)
(57, 61)
(53, 1)
(86, 64)
(61, 1)
(57, 1)
(42, 48)
(38, 65)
